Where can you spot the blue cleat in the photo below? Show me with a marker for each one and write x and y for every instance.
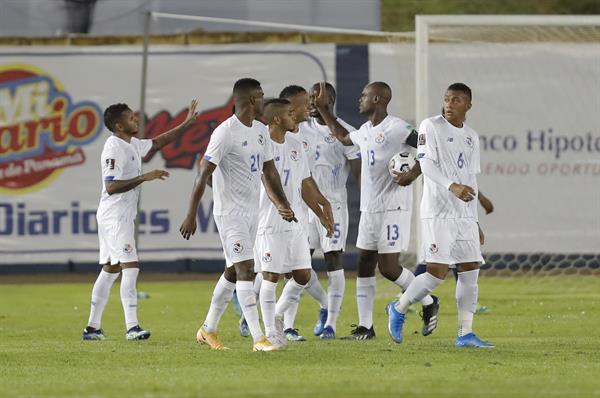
(244, 329)
(95, 334)
(395, 322)
(328, 333)
(235, 304)
(320, 322)
(471, 340)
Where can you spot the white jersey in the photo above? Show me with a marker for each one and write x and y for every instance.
(455, 152)
(239, 152)
(378, 191)
(292, 165)
(121, 160)
(330, 165)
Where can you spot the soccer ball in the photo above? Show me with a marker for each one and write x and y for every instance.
(401, 163)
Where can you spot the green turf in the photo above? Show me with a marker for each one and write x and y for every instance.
(546, 330)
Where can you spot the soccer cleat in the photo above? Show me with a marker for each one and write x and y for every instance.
(360, 333)
(235, 304)
(430, 316)
(320, 322)
(395, 322)
(263, 344)
(482, 309)
(293, 335)
(328, 333)
(281, 339)
(471, 340)
(211, 339)
(96, 334)
(137, 333)
(244, 328)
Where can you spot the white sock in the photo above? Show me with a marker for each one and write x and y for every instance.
(289, 296)
(466, 300)
(247, 299)
(314, 288)
(100, 293)
(268, 300)
(417, 290)
(365, 295)
(257, 283)
(335, 295)
(404, 281)
(218, 304)
(129, 296)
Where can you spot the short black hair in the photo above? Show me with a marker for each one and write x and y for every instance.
(460, 87)
(245, 85)
(113, 113)
(276, 101)
(291, 91)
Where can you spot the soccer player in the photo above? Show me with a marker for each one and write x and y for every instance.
(121, 163)
(283, 247)
(449, 155)
(384, 227)
(238, 154)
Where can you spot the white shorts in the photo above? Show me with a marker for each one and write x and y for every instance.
(117, 242)
(237, 234)
(451, 241)
(317, 234)
(384, 232)
(282, 252)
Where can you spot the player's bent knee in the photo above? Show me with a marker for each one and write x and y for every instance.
(438, 270)
(301, 276)
(334, 260)
(111, 269)
(130, 265)
(244, 270)
(270, 276)
(464, 267)
(230, 274)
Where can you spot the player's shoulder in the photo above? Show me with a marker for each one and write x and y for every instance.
(113, 143)
(392, 122)
(345, 124)
(435, 122)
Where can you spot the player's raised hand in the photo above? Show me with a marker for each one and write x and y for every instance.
(192, 113)
(155, 175)
(463, 192)
(188, 227)
(287, 213)
(322, 100)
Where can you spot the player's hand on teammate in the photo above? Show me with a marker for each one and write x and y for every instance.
(287, 213)
(463, 192)
(188, 227)
(192, 113)
(155, 175)
(403, 179)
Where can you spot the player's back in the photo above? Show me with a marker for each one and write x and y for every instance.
(239, 152)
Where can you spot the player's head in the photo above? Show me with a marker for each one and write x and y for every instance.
(278, 112)
(314, 93)
(298, 97)
(457, 102)
(374, 96)
(119, 118)
(247, 92)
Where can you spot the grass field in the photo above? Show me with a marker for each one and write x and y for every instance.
(546, 329)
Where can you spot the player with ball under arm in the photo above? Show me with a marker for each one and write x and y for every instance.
(384, 228)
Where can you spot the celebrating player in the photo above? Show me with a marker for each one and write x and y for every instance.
(448, 151)
(121, 163)
(237, 155)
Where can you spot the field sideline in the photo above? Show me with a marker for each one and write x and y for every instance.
(546, 330)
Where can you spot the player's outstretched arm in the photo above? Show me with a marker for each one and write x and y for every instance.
(166, 138)
(431, 171)
(272, 182)
(188, 227)
(120, 186)
(336, 128)
(407, 178)
(487, 204)
(314, 199)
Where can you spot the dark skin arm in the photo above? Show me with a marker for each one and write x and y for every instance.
(335, 127)
(355, 168)
(405, 179)
(487, 204)
(188, 227)
(272, 182)
(166, 138)
(313, 198)
(120, 186)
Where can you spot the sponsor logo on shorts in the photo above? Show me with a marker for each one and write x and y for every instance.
(469, 141)
(261, 139)
(392, 243)
(421, 139)
(238, 247)
(294, 155)
(128, 249)
(433, 248)
(330, 139)
(380, 138)
(267, 257)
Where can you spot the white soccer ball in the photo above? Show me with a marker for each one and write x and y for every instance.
(401, 163)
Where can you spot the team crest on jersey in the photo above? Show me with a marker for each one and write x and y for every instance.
(261, 139)
(238, 247)
(267, 257)
(433, 248)
(380, 138)
(305, 146)
(127, 248)
(469, 141)
(421, 139)
(330, 139)
(294, 155)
